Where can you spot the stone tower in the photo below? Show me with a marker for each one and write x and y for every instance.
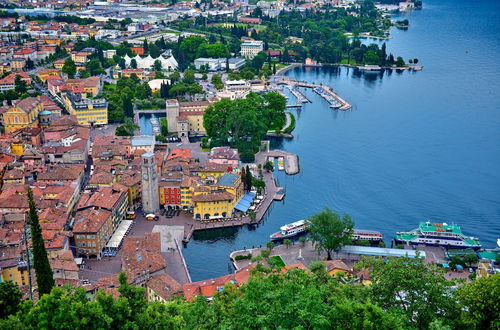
(150, 199)
(172, 111)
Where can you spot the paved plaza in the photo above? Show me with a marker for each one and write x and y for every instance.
(168, 236)
(95, 269)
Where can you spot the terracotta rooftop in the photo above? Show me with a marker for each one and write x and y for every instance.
(336, 264)
(66, 172)
(164, 285)
(213, 196)
(90, 220)
(105, 198)
(184, 154)
(141, 254)
(208, 167)
(209, 288)
(27, 104)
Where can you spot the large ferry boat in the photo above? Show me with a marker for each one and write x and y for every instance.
(290, 230)
(370, 235)
(438, 234)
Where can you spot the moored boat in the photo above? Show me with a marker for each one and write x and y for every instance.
(290, 230)
(370, 235)
(438, 234)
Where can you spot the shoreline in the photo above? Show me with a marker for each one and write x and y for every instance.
(271, 194)
(281, 72)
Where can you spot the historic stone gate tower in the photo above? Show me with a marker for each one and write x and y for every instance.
(150, 199)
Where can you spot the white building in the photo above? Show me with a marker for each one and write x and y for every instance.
(236, 62)
(237, 85)
(143, 142)
(168, 62)
(213, 64)
(108, 33)
(109, 53)
(251, 48)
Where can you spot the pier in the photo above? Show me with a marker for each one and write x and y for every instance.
(291, 160)
(327, 92)
(301, 98)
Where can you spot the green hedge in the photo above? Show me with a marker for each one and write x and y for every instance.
(243, 257)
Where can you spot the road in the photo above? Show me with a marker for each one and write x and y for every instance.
(135, 36)
(38, 68)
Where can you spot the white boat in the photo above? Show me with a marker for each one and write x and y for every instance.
(369, 235)
(290, 230)
(281, 165)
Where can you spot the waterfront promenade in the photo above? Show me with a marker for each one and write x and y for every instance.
(291, 160)
(306, 253)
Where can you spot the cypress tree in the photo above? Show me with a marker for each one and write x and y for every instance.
(248, 179)
(244, 178)
(128, 107)
(44, 275)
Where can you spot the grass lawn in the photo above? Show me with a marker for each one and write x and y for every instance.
(280, 66)
(170, 31)
(277, 261)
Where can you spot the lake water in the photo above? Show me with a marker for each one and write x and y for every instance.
(415, 146)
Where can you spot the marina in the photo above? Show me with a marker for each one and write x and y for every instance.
(335, 101)
(155, 123)
(301, 98)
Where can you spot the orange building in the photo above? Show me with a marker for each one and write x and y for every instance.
(138, 50)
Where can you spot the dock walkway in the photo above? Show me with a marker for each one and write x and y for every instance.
(291, 160)
(291, 83)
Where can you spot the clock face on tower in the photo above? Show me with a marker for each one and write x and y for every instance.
(145, 176)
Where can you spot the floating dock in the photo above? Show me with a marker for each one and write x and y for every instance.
(326, 92)
(301, 98)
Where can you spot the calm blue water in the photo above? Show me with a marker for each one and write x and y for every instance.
(416, 146)
(145, 123)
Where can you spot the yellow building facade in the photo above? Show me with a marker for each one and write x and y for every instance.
(212, 205)
(47, 73)
(23, 114)
(17, 148)
(232, 183)
(80, 57)
(17, 64)
(87, 112)
(16, 272)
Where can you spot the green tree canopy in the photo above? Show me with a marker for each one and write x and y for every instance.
(481, 306)
(10, 299)
(242, 123)
(408, 286)
(69, 68)
(217, 81)
(20, 85)
(329, 232)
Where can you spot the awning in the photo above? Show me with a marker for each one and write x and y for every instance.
(119, 234)
(244, 204)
